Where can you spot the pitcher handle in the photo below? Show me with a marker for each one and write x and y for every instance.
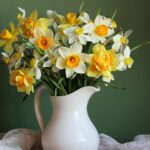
(37, 109)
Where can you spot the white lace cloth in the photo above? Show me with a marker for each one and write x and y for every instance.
(25, 139)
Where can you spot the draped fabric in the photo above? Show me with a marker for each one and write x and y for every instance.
(26, 139)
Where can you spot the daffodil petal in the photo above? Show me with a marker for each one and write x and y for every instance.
(94, 38)
(81, 69)
(39, 32)
(55, 69)
(83, 39)
(76, 48)
(64, 51)
(60, 63)
(47, 64)
(73, 39)
(88, 28)
(2, 43)
(69, 31)
(106, 21)
(116, 46)
(110, 32)
(12, 27)
(102, 39)
(37, 73)
(86, 57)
(91, 73)
(8, 48)
(117, 38)
(85, 17)
(127, 51)
(121, 66)
(69, 72)
(98, 20)
(4, 54)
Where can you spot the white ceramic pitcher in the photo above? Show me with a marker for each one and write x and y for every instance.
(70, 127)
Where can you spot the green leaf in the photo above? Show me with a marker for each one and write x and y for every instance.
(114, 14)
(56, 90)
(46, 84)
(139, 46)
(98, 12)
(24, 98)
(55, 83)
(81, 6)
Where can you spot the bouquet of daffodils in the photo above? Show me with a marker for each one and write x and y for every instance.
(64, 53)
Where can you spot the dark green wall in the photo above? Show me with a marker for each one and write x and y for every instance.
(121, 114)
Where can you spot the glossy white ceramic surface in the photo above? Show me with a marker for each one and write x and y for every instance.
(70, 127)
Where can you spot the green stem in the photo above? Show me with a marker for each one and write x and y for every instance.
(139, 46)
(112, 85)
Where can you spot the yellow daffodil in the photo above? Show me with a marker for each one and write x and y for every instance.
(7, 38)
(71, 60)
(23, 79)
(103, 62)
(70, 20)
(28, 24)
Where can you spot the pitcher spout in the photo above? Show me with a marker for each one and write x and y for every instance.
(91, 90)
(83, 95)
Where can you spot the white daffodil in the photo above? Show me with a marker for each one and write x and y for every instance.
(102, 28)
(71, 60)
(34, 64)
(84, 17)
(125, 60)
(51, 62)
(15, 59)
(54, 18)
(60, 35)
(76, 33)
(121, 40)
(44, 39)
(51, 15)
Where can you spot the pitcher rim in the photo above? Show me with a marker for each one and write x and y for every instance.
(96, 89)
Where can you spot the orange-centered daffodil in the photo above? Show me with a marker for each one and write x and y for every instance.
(101, 30)
(103, 62)
(23, 79)
(72, 61)
(44, 42)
